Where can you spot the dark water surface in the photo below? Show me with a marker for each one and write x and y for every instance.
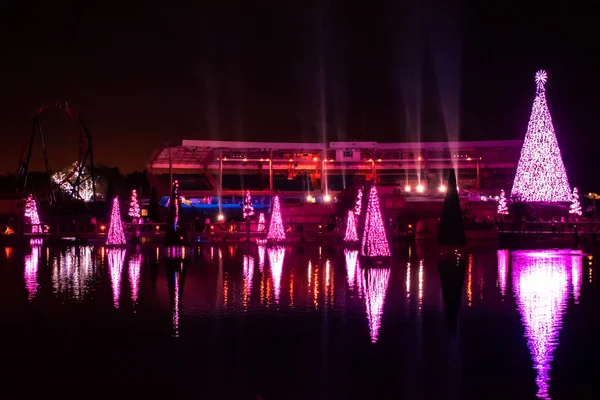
(296, 323)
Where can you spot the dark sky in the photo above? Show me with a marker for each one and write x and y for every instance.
(145, 72)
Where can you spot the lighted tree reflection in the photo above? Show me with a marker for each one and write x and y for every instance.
(351, 264)
(72, 272)
(276, 256)
(502, 270)
(248, 271)
(116, 259)
(261, 258)
(541, 287)
(31, 267)
(373, 282)
(135, 266)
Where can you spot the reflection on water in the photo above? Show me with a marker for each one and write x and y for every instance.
(31, 267)
(297, 283)
(374, 284)
(116, 259)
(73, 272)
(541, 286)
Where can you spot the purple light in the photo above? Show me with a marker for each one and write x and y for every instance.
(541, 287)
(276, 256)
(176, 283)
(72, 272)
(276, 231)
(135, 264)
(31, 212)
(351, 235)
(248, 209)
(116, 259)
(374, 283)
(575, 204)
(248, 271)
(502, 208)
(116, 236)
(358, 205)
(261, 222)
(541, 174)
(374, 240)
(134, 207)
(502, 270)
(261, 258)
(351, 265)
(31, 268)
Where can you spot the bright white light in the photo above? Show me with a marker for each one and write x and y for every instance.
(442, 188)
(407, 188)
(327, 198)
(420, 188)
(309, 198)
(221, 217)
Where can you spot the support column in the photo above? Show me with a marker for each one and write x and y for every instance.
(271, 170)
(170, 170)
(373, 172)
(220, 188)
(478, 177)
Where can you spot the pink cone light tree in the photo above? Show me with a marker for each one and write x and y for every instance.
(116, 235)
(351, 235)
(374, 240)
(248, 209)
(541, 174)
(31, 212)
(575, 205)
(502, 208)
(276, 230)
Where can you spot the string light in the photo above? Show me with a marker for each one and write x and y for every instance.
(541, 174)
(116, 236)
(31, 212)
(31, 268)
(276, 256)
(352, 263)
(134, 207)
(575, 205)
(248, 209)
(358, 206)
(116, 259)
(351, 235)
(261, 222)
(374, 283)
(374, 240)
(502, 208)
(276, 231)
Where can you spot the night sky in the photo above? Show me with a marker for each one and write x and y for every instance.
(144, 73)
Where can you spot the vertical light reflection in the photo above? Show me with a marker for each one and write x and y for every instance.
(470, 281)
(261, 258)
(374, 283)
(135, 266)
(309, 275)
(176, 290)
(420, 284)
(576, 277)
(116, 259)
(31, 267)
(408, 280)
(502, 270)
(292, 289)
(248, 271)
(72, 272)
(351, 264)
(541, 287)
(276, 256)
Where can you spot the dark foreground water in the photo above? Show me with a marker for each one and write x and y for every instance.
(296, 323)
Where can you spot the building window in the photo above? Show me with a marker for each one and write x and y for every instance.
(348, 154)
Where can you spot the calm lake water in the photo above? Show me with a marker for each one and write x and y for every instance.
(298, 322)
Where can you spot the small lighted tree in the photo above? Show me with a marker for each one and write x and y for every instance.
(248, 209)
(276, 230)
(541, 174)
(31, 212)
(116, 235)
(261, 222)
(374, 240)
(351, 235)
(358, 205)
(575, 204)
(502, 208)
(134, 207)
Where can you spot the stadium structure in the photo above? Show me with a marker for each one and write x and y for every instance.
(218, 173)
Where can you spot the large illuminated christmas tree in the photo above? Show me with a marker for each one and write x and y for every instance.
(276, 230)
(31, 212)
(374, 240)
(351, 235)
(541, 174)
(575, 204)
(116, 235)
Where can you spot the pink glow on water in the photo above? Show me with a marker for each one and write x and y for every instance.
(276, 257)
(248, 270)
(31, 268)
(502, 270)
(541, 287)
(72, 272)
(135, 266)
(374, 284)
(176, 284)
(576, 277)
(351, 265)
(116, 259)
(261, 258)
